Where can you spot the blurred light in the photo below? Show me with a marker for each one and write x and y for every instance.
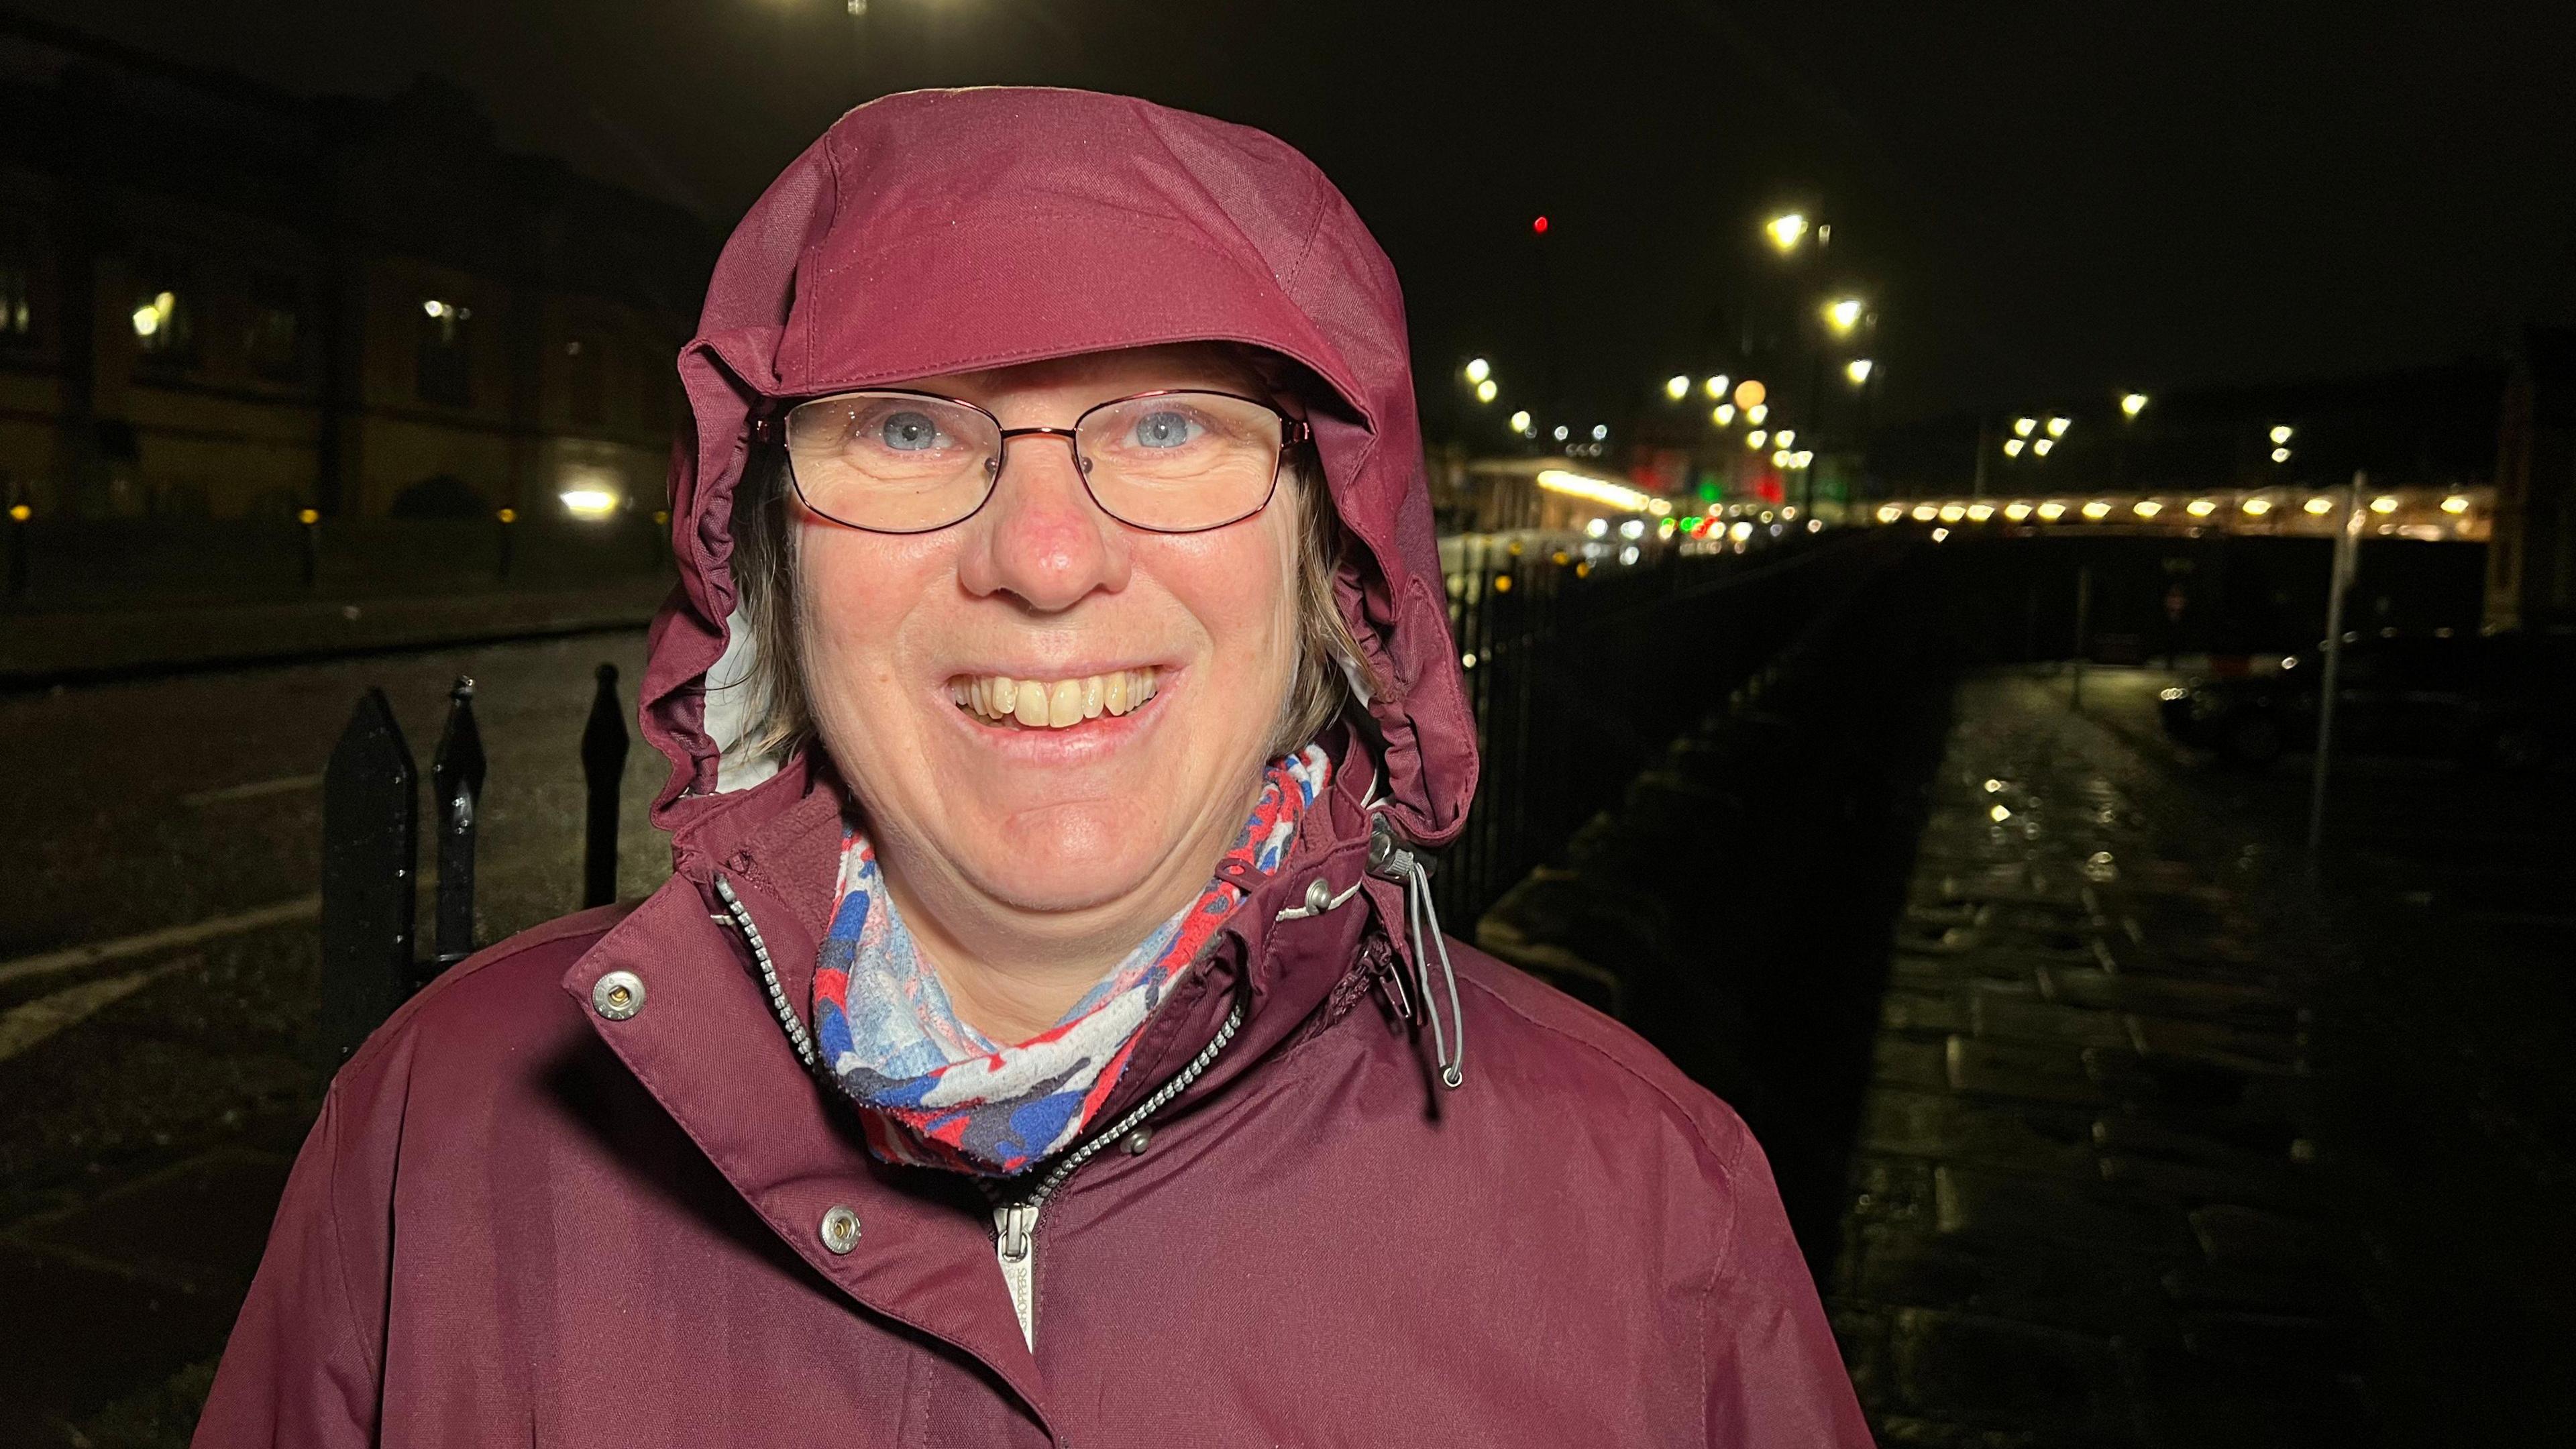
(1980, 512)
(20, 513)
(1858, 370)
(2057, 426)
(1994, 787)
(1723, 415)
(1563, 432)
(1789, 512)
(1815, 525)
(2134, 404)
(2383, 504)
(1786, 437)
(1780, 458)
(2024, 427)
(1952, 512)
(1750, 393)
(1598, 528)
(1843, 313)
(2097, 510)
(511, 515)
(2012, 447)
(1677, 387)
(1599, 490)
(2320, 505)
(1478, 369)
(1925, 512)
(1600, 431)
(1633, 528)
(2042, 445)
(2256, 507)
(2281, 434)
(2147, 508)
(1757, 413)
(1803, 458)
(1715, 387)
(2016, 511)
(1487, 390)
(2051, 511)
(1628, 555)
(1999, 814)
(1890, 512)
(1787, 230)
(1521, 421)
(1939, 534)
(308, 516)
(147, 320)
(2201, 507)
(1538, 225)
(1742, 530)
(2280, 455)
(1666, 529)
(1467, 660)
(589, 503)
(1754, 440)
(2456, 503)
(2173, 693)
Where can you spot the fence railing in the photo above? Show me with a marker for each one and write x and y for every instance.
(1579, 668)
(371, 849)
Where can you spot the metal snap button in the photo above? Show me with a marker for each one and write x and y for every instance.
(617, 995)
(840, 1228)
(1319, 896)
(1137, 1141)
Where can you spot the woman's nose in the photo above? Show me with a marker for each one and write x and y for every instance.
(1040, 537)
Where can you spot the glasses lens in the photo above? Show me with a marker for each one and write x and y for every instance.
(1180, 461)
(893, 462)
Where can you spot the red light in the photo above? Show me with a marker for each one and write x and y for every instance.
(1539, 226)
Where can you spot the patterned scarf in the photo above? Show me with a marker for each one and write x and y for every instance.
(935, 1092)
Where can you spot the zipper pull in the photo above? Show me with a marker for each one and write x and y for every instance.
(1015, 1245)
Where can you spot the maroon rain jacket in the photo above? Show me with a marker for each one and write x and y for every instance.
(520, 1221)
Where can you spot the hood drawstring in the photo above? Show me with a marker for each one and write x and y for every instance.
(1391, 861)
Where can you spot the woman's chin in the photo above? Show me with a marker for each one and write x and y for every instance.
(1059, 864)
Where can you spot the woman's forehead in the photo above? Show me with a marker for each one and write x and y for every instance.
(1116, 373)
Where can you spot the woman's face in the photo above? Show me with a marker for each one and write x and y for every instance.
(1053, 801)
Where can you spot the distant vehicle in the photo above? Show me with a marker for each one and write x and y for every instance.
(2505, 701)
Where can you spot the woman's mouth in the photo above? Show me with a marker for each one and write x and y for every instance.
(1052, 704)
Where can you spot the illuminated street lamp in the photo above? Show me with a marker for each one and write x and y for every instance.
(2383, 504)
(1750, 393)
(1723, 415)
(1715, 387)
(1843, 313)
(2024, 427)
(2097, 510)
(1757, 413)
(2201, 507)
(2146, 508)
(2133, 404)
(1677, 387)
(2281, 434)
(1478, 369)
(2256, 507)
(1754, 440)
(1521, 421)
(1487, 390)
(2280, 455)
(2017, 510)
(2042, 445)
(2057, 426)
(1858, 370)
(1787, 230)
(2456, 504)
(2012, 447)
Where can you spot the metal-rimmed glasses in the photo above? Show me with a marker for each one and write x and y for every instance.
(1171, 461)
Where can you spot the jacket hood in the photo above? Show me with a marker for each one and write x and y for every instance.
(1046, 223)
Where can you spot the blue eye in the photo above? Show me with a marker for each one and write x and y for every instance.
(909, 432)
(1165, 430)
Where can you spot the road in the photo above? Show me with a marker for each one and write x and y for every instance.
(154, 1086)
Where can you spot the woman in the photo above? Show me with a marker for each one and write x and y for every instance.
(1039, 1040)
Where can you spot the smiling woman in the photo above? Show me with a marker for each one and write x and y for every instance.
(1044, 1034)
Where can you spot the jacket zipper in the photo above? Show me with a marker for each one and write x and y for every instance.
(1015, 1221)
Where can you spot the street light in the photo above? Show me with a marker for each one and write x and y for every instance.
(2281, 434)
(1749, 394)
(1754, 440)
(1478, 369)
(1723, 415)
(1786, 437)
(2457, 503)
(1787, 230)
(2041, 446)
(1600, 431)
(2383, 504)
(1487, 390)
(1715, 387)
(1843, 313)
(1858, 370)
(1521, 421)
(2133, 404)
(1677, 387)
(2023, 427)
(2256, 507)
(2280, 455)
(2057, 427)
(2012, 447)
(2320, 506)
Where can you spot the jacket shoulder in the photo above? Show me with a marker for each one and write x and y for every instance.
(502, 996)
(1531, 1034)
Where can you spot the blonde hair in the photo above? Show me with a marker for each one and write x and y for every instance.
(776, 706)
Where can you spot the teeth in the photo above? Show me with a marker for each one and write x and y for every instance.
(1056, 704)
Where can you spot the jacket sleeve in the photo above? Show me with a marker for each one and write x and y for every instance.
(1775, 1377)
(302, 1369)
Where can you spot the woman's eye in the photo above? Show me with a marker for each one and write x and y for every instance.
(1165, 430)
(909, 432)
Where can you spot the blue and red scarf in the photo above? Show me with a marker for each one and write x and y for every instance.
(934, 1091)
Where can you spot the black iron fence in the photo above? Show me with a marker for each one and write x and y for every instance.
(1582, 660)
(371, 959)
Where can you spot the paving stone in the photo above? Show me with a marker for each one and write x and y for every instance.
(1993, 1371)
(2013, 1069)
(1972, 1203)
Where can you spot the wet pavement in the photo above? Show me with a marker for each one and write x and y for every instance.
(154, 1088)
(2160, 1146)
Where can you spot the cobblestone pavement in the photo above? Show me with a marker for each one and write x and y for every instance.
(2154, 1152)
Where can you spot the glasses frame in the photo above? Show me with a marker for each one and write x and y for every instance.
(1293, 432)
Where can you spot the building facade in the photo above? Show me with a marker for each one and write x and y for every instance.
(219, 300)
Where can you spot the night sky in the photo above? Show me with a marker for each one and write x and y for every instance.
(2043, 201)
